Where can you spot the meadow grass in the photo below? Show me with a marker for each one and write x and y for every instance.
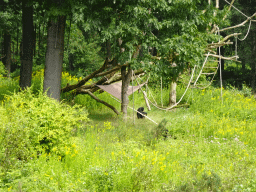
(210, 147)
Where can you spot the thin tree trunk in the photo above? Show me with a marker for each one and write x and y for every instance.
(71, 61)
(35, 27)
(108, 47)
(7, 52)
(253, 66)
(70, 55)
(39, 40)
(17, 51)
(126, 78)
(27, 46)
(172, 99)
(54, 57)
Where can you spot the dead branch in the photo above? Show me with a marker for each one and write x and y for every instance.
(82, 91)
(105, 81)
(87, 78)
(116, 68)
(239, 25)
(233, 58)
(228, 9)
(97, 73)
(219, 44)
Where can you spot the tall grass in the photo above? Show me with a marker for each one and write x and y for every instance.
(210, 147)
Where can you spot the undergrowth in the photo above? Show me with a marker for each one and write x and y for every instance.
(208, 146)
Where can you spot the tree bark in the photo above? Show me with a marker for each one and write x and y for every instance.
(126, 77)
(7, 52)
(172, 98)
(39, 39)
(71, 61)
(17, 40)
(27, 46)
(253, 66)
(54, 57)
(108, 48)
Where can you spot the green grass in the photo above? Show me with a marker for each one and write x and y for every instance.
(210, 147)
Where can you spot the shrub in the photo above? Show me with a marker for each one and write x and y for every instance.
(100, 179)
(36, 124)
(2, 69)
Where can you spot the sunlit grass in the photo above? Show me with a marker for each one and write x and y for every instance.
(214, 149)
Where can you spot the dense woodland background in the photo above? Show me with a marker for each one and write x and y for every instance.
(77, 37)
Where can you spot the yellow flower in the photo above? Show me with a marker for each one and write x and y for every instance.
(74, 145)
(162, 167)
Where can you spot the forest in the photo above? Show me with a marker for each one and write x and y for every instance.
(115, 95)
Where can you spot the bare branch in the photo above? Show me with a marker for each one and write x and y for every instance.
(239, 25)
(87, 78)
(228, 36)
(228, 9)
(116, 68)
(82, 91)
(234, 58)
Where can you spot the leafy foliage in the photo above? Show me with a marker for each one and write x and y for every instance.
(37, 124)
(2, 69)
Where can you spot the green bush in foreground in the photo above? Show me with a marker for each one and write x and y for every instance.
(31, 125)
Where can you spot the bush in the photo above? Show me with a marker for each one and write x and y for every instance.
(35, 124)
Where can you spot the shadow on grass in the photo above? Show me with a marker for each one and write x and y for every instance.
(102, 116)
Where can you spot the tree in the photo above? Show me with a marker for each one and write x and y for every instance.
(28, 39)
(54, 56)
(178, 32)
(7, 20)
(7, 52)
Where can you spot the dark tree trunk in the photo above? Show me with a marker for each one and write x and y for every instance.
(222, 52)
(27, 46)
(39, 40)
(35, 40)
(7, 52)
(17, 39)
(54, 57)
(108, 47)
(243, 60)
(253, 65)
(126, 78)
(71, 61)
(70, 55)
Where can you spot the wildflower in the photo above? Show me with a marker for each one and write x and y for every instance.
(74, 145)
(162, 167)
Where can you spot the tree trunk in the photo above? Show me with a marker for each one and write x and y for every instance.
(108, 47)
(253, 66)
(39, 39)
(71, 61)
(17, 40)
(27, 46)
(172, 98)
(54, 57)
(126, 78)
(35, 29)
(7, 52)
